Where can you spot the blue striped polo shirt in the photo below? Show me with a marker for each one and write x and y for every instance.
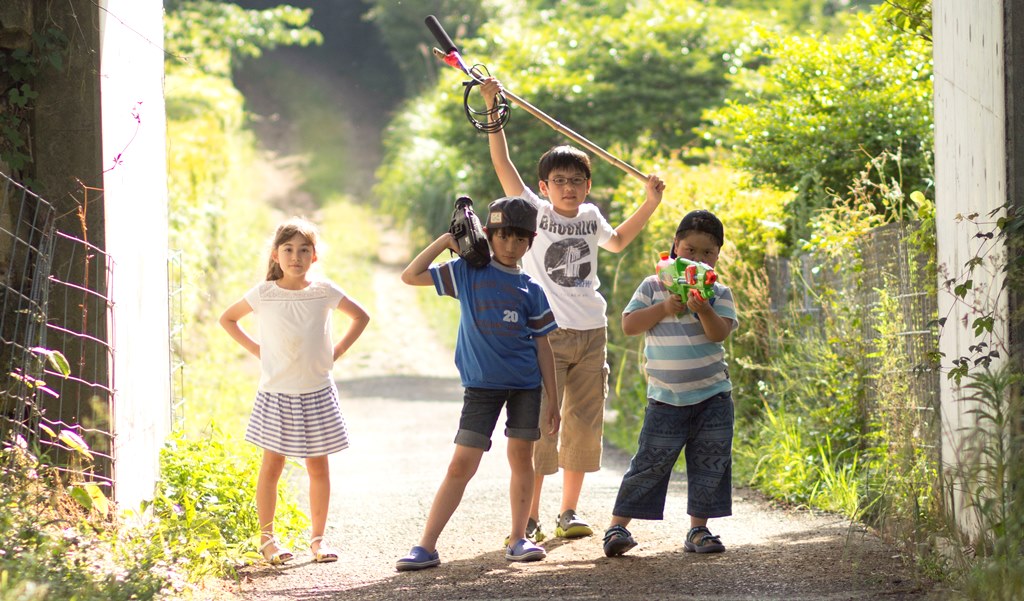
(683, 366)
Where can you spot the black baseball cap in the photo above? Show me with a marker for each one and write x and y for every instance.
(699, 221)
(512, 211)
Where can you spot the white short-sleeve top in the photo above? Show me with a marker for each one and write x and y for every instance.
(296, 352)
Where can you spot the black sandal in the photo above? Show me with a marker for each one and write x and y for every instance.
(704, 543)
(617, 540)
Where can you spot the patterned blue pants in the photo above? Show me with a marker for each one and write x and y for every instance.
(705, 431)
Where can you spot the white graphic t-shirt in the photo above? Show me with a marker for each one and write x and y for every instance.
(564, 260)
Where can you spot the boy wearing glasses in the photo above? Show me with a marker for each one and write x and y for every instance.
(564, 260)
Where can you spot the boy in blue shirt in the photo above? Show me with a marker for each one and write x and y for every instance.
(689, 397)
(504, 357)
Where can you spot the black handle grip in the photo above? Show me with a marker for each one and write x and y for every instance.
(439, 34)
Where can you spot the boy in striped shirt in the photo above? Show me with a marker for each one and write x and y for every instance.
(689, 397)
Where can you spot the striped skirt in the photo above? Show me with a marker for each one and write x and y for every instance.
(306, 424)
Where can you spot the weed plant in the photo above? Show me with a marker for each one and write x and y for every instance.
(989, 476)
(53, 548)
(205, 506)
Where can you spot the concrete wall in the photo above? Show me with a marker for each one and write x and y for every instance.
(971, 179)
(1013, 23)
(135, 215)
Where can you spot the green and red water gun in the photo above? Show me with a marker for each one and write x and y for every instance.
(686, 278)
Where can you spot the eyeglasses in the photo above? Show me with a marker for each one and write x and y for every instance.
(561, 181)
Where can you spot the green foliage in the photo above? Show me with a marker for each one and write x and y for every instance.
(19, 68)
(205, 505)
(819, 15)
(914, 16)
(844, 405)
(902, 470)
(820, 109)
(209, 35)
(54, 550)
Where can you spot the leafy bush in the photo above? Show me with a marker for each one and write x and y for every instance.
(989, 475)
(819, 109)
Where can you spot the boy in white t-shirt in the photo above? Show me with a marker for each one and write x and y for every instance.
(564, 259)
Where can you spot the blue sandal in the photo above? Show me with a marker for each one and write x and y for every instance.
(418, 559)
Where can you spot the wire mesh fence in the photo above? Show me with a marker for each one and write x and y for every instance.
(891, 291)
(54, 305)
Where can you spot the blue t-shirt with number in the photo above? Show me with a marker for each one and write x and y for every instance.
(502, 310)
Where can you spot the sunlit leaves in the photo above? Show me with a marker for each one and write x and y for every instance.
(207, 34)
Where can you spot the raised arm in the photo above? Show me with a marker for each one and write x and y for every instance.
(628, 229)
(417, 274)
(359, 319)
(229, 321)
(509, 177)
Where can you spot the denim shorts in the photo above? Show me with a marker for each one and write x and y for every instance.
(705, 430)
(481, 408)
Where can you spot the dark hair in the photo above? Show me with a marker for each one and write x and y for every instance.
(285, 232)
(704, 222)
(518, 232)
(563, 157)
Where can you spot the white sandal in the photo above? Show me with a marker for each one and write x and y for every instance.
(279, 557)
(324, 554)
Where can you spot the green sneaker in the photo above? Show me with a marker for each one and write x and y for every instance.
(571, 526)
(533, 532)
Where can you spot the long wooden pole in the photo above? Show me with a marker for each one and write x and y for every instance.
(562, 129)
(556, 125)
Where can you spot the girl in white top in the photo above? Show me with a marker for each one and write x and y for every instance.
(296, 412)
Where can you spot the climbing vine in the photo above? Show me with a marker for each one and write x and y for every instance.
(19, 68)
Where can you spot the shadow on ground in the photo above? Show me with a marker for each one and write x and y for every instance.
(665, 575)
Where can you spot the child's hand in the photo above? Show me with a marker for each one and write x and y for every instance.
(655, 188)
(554, 420)
(490, 89)
(697, 304)
(673, 305)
